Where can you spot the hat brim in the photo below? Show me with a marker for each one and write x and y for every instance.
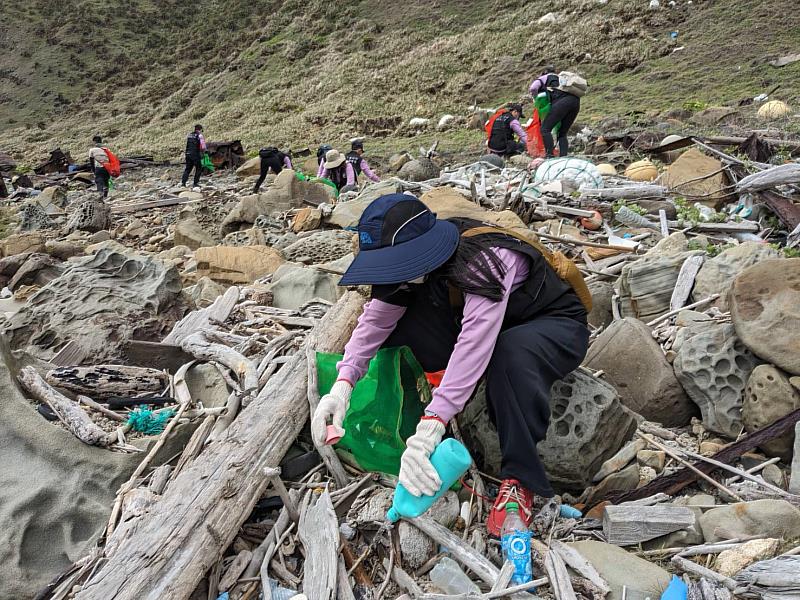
(332, 164)
(406, 261)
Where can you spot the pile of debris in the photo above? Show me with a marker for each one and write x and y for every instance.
(178, 462)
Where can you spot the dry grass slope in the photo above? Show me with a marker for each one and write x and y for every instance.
(299, 72)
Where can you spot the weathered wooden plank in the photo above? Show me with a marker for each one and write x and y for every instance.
(155, 355)
(628, 525)
(683, 286)
(199, 320)
(204, 506)
(102, 381)
(319, 534)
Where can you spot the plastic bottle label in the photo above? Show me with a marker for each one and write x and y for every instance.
(517, 549)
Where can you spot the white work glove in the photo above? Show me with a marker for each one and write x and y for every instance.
(416, 471)
(333, 406)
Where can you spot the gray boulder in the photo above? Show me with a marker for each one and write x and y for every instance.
(320, 247)
(99, 303)
(347, 214)
(207, 385)
(293, 285)
(90, 215)
(419, 169)
(416, 547)
(601, 314)
(765, 308)
(588, 426)
(767, 518)
(717, 274)
(768, 397)
(642, 579)
(189, 232)
(713, 365)
(646, 285)
(635, 365)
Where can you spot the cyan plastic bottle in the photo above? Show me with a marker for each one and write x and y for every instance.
(451, 460)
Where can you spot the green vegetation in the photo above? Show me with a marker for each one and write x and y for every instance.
(632, 206)
(710, 249)
(296, 73)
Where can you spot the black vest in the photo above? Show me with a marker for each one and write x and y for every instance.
(272, 158)
(338, 175)
(355, 161)
(551, 87)
(193, 145)
(501, 133)
(432, 321)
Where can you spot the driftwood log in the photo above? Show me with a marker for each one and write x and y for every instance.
(319, 533)
(70, 413)
(102, 381)
(204, 506)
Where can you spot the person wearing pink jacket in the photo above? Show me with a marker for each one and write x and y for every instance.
(515, 323)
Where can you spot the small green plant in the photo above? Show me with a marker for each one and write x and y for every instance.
(787, 252)
(685, 211)
(631, 206)
(695, 105)
(711, 249)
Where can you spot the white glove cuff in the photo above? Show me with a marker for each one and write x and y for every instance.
(342, 390)
(431, 428)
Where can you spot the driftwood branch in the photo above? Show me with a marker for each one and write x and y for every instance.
(197, 345)
(70, 413)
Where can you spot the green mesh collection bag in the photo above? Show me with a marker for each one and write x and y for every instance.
(385, 407)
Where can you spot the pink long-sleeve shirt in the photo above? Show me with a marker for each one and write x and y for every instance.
(351, 174)
(368, 172)
(517, 128)
(538, 85)
(480, 326)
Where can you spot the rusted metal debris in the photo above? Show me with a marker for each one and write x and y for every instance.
(226, 155)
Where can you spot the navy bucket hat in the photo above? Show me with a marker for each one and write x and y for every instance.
(399, 239)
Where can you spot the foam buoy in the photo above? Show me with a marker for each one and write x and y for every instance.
(642, 170)
(672, 155)
(774, 109)
(606, 169)
(594, 222)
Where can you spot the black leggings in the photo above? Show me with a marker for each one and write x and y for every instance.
(270, 162)
(564, 110)
(101, 178)
(195, 163)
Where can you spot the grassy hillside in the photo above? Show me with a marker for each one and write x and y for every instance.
(296, 73)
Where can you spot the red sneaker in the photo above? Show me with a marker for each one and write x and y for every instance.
(510, 491)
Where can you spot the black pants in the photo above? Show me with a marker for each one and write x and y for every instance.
(270, 162)
(101, 177)
(526, 361)
(511, 149)
(192, 162)
(564, 110)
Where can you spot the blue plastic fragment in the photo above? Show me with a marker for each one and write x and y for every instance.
(570, 512)
(676, 590)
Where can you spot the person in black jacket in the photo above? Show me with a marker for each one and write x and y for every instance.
(195, 148)
(501, 139)
(274, 159)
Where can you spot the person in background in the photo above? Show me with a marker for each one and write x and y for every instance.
(195, 148)
(338, 170)
(271, 158)
(97, 162)
(564, 109)
(548, 79)
(321, 152)
(501, 139)
(356, 158)
(472, 300)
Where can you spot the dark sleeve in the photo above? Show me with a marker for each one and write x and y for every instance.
(397, 294)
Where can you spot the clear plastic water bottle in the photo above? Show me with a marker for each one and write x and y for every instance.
(516, 542)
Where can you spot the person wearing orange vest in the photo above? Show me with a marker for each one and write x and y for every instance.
(98, 159)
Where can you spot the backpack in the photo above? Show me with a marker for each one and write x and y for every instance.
(572, 83)
(268, 151)
(112, 166)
